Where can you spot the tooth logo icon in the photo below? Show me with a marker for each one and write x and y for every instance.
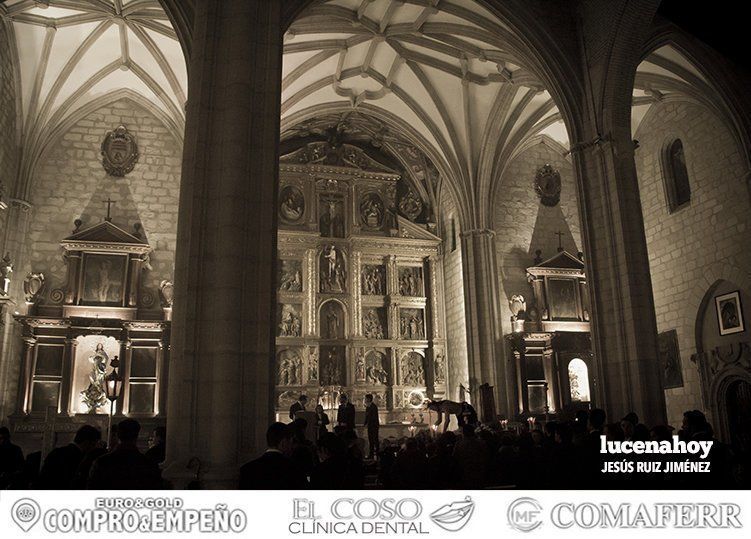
(25, 513)
(454, 516)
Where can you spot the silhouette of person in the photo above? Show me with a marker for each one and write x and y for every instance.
(345, 416)
(373, 424)
(125, 467)
(274, 469)
(157, 445)
(11, 459)
(60, 466)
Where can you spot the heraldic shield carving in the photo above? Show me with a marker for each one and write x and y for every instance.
(119, 152)
(548, 185)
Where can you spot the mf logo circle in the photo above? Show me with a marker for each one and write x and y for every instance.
(524, 514)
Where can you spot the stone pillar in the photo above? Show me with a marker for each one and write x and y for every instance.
(484, 342)
(624, 327)
(221, 367)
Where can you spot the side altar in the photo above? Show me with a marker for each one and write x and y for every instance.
(553, 365)
(71, 338)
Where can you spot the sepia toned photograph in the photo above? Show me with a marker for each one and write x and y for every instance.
(389, 267)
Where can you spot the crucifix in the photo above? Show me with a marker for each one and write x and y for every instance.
(560, 240)
(109, 203)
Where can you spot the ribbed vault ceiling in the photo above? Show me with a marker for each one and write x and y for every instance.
(448, 69)
(72, 54)
(667, 74)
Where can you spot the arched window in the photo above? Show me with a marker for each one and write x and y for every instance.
(578, 380)
(676, 176)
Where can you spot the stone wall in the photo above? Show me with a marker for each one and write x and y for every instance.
(70, 183)
(699, 244)
(456, 325)
(523, 224)
(8, 151)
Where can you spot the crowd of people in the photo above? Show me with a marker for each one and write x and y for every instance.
(555, 455)
(87, 462)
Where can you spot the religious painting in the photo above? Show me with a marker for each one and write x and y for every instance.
(562, 299)
(413, 369)
(104, 279)
(289, 276)
(331, 216)
(374, 322)
(410, 281)
(372, 211)
(332, 270)
(670, 359)
(289, 367)
(373, 280)
(291, 204)
(289, 320)
(412, 324)
(729, 313)
(332, 364)
(332, 320)
(376, 368)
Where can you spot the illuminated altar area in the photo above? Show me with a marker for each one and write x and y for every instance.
(359, 287)
(70, 342)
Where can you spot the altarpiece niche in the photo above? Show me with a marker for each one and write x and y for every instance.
(364, 281)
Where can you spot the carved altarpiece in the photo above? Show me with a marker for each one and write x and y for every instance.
(352, 301)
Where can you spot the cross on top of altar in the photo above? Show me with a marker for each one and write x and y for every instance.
(109, 203)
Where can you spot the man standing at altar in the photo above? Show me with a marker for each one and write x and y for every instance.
(373, 424)
(345, 416)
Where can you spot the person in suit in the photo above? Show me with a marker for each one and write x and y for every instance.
(345, 416)
(372, 423)
(274, 470)
(298, 406)
(61, 464)
(322, 420)
(157, 445)
(125, 467)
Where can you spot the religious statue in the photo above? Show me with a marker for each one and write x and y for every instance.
(331, 222)
(373, 281)
(410, 205)
(518, 307)
(371, 211)
(313, 363)
(439, 368)
(333, 318)
(360, 367)
(331, 374)
(290, 323)
(411, 324)
(290, 276)
(291, 204)
(410, 282)
(6, 269)
(94, 396)
(372, 326)
(413, 371)
(374, 371)
(332, 270)
(290, 368)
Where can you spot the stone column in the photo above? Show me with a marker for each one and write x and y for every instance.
(624, 327)
(484, 343)
(221, 379)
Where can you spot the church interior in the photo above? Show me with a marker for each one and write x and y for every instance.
(529, 206)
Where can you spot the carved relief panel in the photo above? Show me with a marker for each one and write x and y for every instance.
(413, 369)
(374, 325)
(289, 320)
(411, 281)
(373, 281)
(332, 270)
(412, 324)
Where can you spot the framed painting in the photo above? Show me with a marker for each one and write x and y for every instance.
(562, 299)
(104, 279)
(730, 313)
